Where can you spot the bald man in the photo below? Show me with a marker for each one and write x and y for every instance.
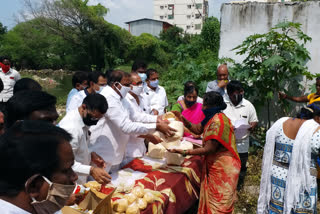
(220, 84)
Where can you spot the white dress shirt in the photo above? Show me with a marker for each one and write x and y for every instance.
(244, 110)
(9, 79)
(8, 208)
(77, 100)
(110, 136)
(73, 123)
(156, 99)
(136, 147)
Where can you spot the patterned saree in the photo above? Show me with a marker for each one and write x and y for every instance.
(221, 169)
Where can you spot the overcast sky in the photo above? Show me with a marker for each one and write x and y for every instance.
(120, 12)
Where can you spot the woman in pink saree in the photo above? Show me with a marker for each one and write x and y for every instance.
(189, 107)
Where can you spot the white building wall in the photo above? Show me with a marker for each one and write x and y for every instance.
(184, 13)
(238, 21)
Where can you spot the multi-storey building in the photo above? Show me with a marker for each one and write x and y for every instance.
(187, 14)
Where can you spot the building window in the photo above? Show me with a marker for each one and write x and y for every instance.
(198, 26)
(188, 17)
(198, 6)
(198, 16)
(188, 27)
(161, 7)
(189, 6)
(170, 6)
(170, 16)
(161, 17)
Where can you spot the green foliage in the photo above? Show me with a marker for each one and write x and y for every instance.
(149, 48)
(3, 29)
(210, 34)
(274, 61)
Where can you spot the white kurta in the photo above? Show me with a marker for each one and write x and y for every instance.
(73, 124)
(110, 136)
(76, 100)
(156, 99)
(136, 146)
(9, 79)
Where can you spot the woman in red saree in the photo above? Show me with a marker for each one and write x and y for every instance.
(222, 163)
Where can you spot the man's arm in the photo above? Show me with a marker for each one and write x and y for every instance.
(302, 99)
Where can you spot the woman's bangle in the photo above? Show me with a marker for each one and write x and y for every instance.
(188, 125)
(185, 152)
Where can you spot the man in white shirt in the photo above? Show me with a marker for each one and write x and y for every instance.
(97, 81)
(46, 158)
(136, 146)
(9, 77)
(77, 123)
(79, 82)
(110, 136)
(238, 108)
(155, 94)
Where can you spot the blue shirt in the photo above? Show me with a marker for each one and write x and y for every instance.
(213, 86)
(73, 92)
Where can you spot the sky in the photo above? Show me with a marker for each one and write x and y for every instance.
(120, 11)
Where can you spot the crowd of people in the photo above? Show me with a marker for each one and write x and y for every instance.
(110, 117)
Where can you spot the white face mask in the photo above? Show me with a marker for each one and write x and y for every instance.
(137, 89)
(100, 89)
(124, 90)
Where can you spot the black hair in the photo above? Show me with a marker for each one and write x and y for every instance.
(26, 84)
(234, 85)
(214, 99)
(79, 77)
(94, 76)
(318, 78)
(23, 103)
(108, 72)
(2, 58)
(138, 64)
(151, 71)
(310, 111)
(26, 149)
(116, 76)
(96, 102)
(190, 87)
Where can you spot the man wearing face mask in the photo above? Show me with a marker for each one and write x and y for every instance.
(155, 94)
(135, 104)
(9, 77)
(110, 136)
(238, 108)
(140, 68)
(37, 160)
(77, 123)
(97, 81)
(79, 82)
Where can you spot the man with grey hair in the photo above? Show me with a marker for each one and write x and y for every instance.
(220, 84)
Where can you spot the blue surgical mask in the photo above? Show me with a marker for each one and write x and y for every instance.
(100, 89)
(143, 76)
(154, 83)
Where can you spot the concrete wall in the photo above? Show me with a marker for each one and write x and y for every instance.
(239, 20)
(146, 26)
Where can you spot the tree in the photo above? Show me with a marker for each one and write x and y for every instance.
(94, 40)
(274, 61)
(210, 34)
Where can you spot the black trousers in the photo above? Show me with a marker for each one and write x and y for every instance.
(243, 171)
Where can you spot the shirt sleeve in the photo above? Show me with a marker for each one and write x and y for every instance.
(81, 168)
(17, 76)
(119, 116)
(177, 107)
(74, 103)
(140, 116)
(310, 96)
(252, 114)
(213, 86)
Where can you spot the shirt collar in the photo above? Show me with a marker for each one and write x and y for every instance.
(227, 100)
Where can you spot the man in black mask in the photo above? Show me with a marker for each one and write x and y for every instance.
(241, 112)
(77, 123)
